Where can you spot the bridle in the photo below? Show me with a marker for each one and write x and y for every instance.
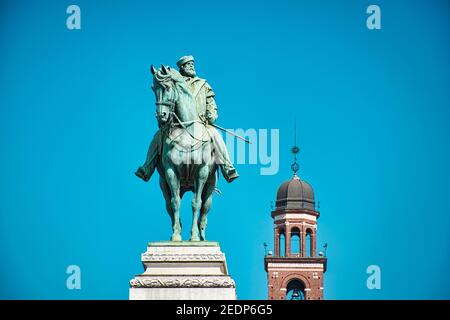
(166, 103)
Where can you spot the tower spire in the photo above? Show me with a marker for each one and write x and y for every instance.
(295, 150)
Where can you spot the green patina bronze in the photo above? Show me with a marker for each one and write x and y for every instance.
(186, 150)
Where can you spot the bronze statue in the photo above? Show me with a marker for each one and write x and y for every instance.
(207, 110)
(186, 149)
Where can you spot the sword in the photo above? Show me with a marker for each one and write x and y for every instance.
(232, 133)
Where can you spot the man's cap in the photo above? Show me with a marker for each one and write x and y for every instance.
(184, 59)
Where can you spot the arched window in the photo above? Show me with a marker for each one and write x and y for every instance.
(282, 244)
(295, 290)
(295, 241)
(308, 243)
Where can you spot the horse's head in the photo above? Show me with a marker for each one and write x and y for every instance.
(167, 86)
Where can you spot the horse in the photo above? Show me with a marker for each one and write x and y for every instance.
(186, 160)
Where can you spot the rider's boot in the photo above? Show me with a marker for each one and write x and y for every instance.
(146, 170)
(229, 172)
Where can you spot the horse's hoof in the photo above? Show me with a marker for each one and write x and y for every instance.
(176, 237)
(195, 239)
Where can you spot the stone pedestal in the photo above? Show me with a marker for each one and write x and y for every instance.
(183, 271)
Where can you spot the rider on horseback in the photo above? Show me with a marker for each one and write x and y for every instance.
(207, 110)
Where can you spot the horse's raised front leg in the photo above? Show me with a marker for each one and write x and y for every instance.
(199, 184)
(175, 199)
(207, 196)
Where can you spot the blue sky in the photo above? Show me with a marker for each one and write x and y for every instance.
(372, 112)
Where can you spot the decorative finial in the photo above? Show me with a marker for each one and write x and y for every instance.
(295, 150)
(325, 247)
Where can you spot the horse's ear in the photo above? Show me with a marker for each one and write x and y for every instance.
(164, 69)
(153, 70)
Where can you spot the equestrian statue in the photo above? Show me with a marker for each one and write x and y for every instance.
(187, 149)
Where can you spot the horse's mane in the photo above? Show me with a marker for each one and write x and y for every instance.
(165, 76)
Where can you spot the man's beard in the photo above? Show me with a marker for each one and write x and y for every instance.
(189, 73)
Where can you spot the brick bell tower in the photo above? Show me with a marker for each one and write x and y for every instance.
(295, 270)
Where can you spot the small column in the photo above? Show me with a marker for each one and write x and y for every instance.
(276, 241)
(302, 242)
(288, 241)
(300, 236)
(313, 243)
